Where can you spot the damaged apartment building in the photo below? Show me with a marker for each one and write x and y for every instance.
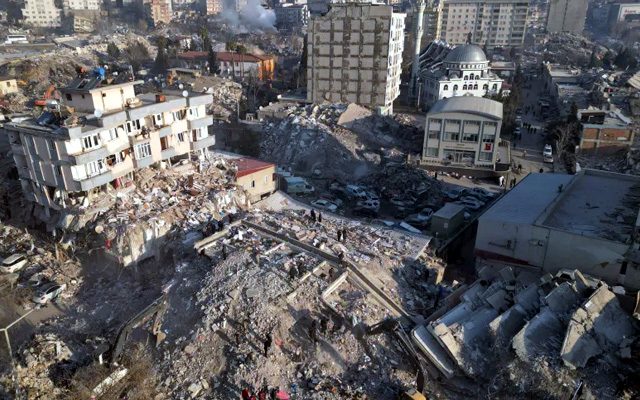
(99, 136)
(355, 56)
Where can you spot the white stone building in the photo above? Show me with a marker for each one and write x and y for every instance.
(494, 23)
(463, 132)
(355, 56)
(41, 13)
(465, 71)
(67, 160)
(71, 5)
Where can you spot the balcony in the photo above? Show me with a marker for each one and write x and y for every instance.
(203, 143)
(200, 122)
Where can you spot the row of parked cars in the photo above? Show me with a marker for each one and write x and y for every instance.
(366, 202)
(45, 291)
(472, 199)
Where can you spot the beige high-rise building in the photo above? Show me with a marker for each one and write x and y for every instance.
(355, 56)
(567, 16)
(494, 23)
(159, 11)
(41, 13)
(214, 6)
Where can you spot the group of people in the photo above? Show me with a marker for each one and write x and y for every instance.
(315, 217)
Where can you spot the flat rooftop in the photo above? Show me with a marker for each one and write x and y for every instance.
(597, 204)
(528, 199)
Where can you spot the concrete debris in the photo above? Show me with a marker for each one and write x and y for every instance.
(568, 318)
(314, 138)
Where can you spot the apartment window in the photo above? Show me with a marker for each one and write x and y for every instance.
(181, 136)
(464, 87)
(193, 112)
(446, 87)
(115, 159)
(157, 119)
(178, 115)
(455, 88)
(112, 134)
(434, 135)
(133, 126)
(142, 150)
(95, 168)
(90, 142)
(485, 156)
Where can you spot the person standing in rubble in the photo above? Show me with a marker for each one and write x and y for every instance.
(293, 272)
(267, 344)
(344, 234)
(313, 215)
(320, 216)
(339, 235)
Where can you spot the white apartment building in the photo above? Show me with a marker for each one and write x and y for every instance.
(41, 13)
(72, 5)
(465, 71)
(494, 23)
(66, 161)
(355, 56)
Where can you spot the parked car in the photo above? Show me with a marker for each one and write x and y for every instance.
(480, 194)
(420, 219)
(547, 153)
(355, 191)
(372, 204)
(470, 204)
(455, 193)
(324, 205)
(13, 263)
(48, 292)
(332, 199)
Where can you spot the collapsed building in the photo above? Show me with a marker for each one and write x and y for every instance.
(561, 327)
(96, 140)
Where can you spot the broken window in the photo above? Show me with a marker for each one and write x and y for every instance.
(142, 150)
(95, 168)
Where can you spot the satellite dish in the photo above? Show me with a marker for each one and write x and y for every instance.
(97, 113)
(181, 86)
(185, 93)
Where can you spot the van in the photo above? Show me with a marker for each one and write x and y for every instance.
(297, 185)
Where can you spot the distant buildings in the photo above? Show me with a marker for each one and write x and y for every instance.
(214, 7)
(242, 66)
(604, 131)
(65, 160)
(494, 23)
(567, 16)
(549, 222)
(626, 14)
(41, 14)
(354, 55)
(159, 11)
(463, 131)
(292, 17)
(71, 5)
(463, 72)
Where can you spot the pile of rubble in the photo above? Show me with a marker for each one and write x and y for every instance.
(334, 140)
(564, 329)
(184, 198)
(47, 261)
(43, 358)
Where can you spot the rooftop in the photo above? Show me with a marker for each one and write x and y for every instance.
(597, 204)
(470, 105)
(466, 53)
(247, 166)
(244, 57)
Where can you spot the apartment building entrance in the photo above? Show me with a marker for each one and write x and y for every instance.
(460, 156)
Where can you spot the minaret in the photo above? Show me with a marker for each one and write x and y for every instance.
(418, 32)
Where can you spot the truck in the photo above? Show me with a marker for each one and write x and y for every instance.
(297, 185)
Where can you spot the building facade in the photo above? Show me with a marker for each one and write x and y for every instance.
(292, 17)
(354, 55)
(41, 13)
(159, 11)
(567, 16)
(92, 5)
(257, 178)
(63, 163)
(491, 23)
(243, 66)
(604, 131)
(8, 85)
(463, 131)
(627, 14)
(465, 71)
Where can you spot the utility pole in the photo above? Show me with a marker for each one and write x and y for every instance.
(418, 32)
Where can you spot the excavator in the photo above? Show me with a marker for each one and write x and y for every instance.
(393, 326)
(50, 94)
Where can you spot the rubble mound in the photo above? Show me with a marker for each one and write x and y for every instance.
(334, 140)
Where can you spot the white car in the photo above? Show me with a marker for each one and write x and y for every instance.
(547, 153)
(13, 263)
(324, 205)
(49, 292)
(420, 219)
(356, 191)
(480, 193)
(370, 204)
